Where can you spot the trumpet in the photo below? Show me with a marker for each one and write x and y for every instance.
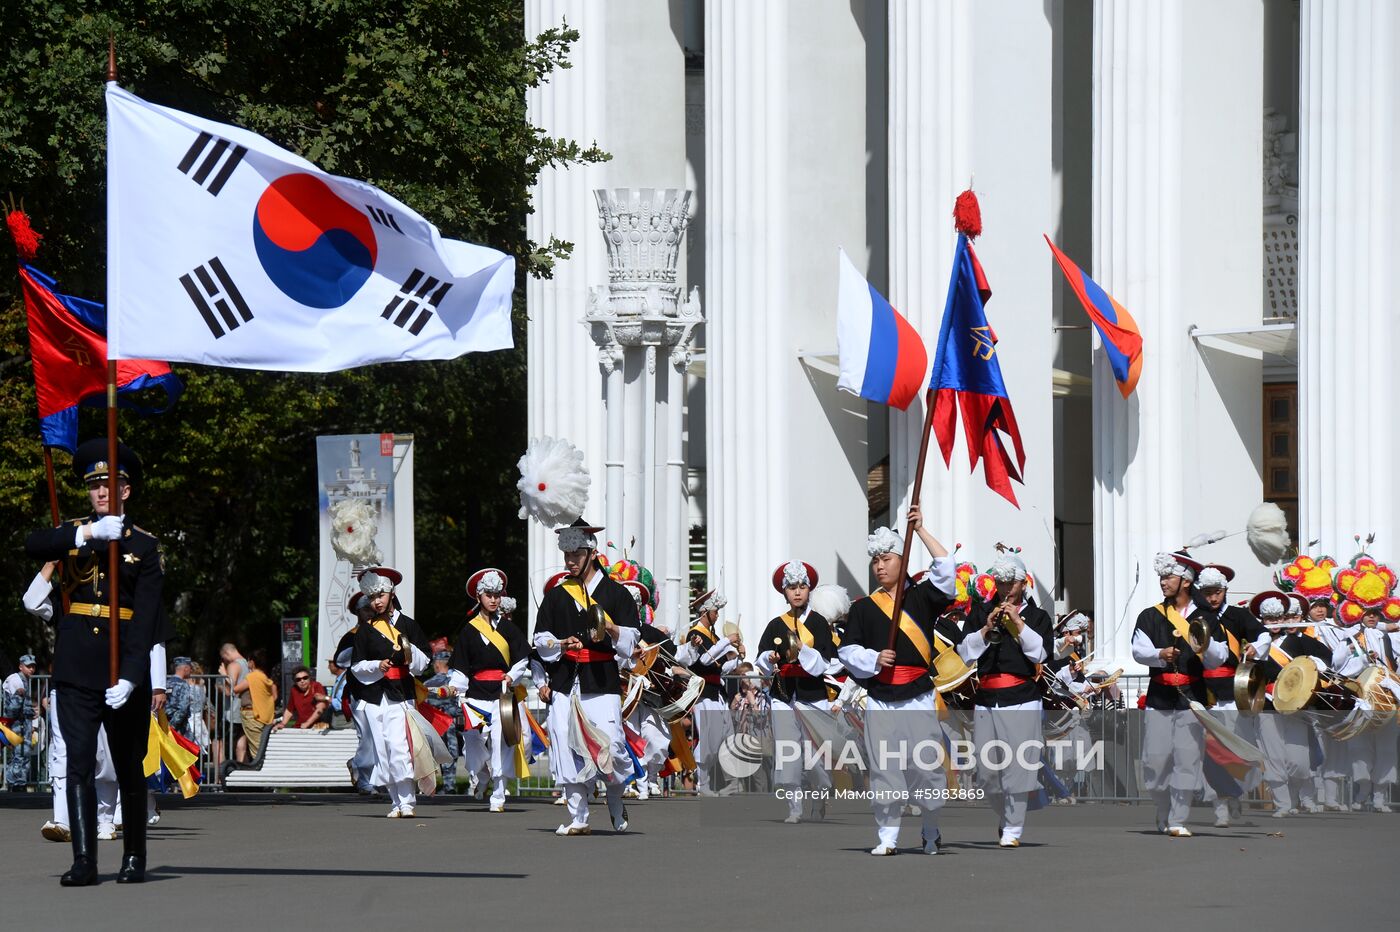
(1003, 623)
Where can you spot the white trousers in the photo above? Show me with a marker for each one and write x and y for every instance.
(393, 765)
(897, 740)
(107, 797)
(807, 727)
(484, 749)
(714, 723)
(1172, 744)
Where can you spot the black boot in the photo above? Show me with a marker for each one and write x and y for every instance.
(133, 841)
(82, 813)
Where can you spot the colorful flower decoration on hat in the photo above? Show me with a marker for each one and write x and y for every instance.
(1365, 582)
(962, 580)
(1308, 576)
(985, 587)
(628, 570)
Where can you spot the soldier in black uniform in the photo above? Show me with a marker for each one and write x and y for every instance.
(902, 735)
(584, 661)
(1173, 739)
(81, 656)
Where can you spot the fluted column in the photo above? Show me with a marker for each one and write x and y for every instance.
(746, 158)
(1177, 178)
(565, 379)
(930, 138)
(1347, 279)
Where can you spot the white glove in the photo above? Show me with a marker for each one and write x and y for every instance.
(118, 694)
(108, 528)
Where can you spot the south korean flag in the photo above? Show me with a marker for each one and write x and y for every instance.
(227, 250)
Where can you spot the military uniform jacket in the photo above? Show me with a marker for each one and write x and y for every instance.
(370, 644)
(81, 655)
(560, 616)
(867, 626)
(473, 654)
(1007, 657)
(790, 681)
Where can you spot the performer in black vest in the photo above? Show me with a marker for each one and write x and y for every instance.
(1285, 740)
(711, 656)
(388, 650)
(585, 624)
(81, 658)
(1245, 639)
(903, 742)
(493, 654)
(801, 712)
(1006, 638)
(1173, 739)
(361, 766)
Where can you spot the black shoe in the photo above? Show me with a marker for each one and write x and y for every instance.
(83, 873)
(133, 869)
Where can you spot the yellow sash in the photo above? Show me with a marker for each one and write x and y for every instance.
(1277, 655)
(391, 634)
(575, 588)
(906, 625)
(1234, 643)
(483, 627)
(802, 631)
(705, 633)
(1178, 622)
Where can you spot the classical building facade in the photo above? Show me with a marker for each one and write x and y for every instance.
(1224, 168)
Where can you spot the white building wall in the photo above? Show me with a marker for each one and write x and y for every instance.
(1177, 218)
(971, 89)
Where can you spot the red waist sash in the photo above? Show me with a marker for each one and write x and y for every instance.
(588, 655)
(1001, 681)
(793, 669)
(1220, 673)
(899, 674)
(1174, 679)
(714, 679)
(394, 673)
(489, 676)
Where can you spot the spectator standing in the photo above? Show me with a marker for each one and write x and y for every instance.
(178, 696)
(17, 713)
(262, 704)
(234, 668)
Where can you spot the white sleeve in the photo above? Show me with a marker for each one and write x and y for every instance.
(417, 661)
(686, 654)
(1321, 666)
(1261, 644)
(36, 598)
(1063, 648)
(942, 573)
(626, 642)
(517, 669)
(158, 667)
(458, 681)
(972, 646)
(850, 689)
(537, 674)
(728, 666)
(548, 646)
(861, 661)
(811, 661)
(78, 540)
(722, 646)
(367, 671)
(1145, 652)
(763, 664)
(1032, 644)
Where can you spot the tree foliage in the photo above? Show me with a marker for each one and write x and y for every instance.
(423, 98)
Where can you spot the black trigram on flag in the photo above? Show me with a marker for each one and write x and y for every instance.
(207, 153)
(419, 295)
(383, 217)
(213, 291)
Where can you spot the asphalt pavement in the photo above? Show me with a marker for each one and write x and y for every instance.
(315, 861)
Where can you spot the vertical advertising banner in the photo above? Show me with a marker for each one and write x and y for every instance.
(365, 501)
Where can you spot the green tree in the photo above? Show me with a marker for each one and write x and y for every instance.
(423, 98)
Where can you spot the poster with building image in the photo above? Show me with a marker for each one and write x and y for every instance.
(365, 505)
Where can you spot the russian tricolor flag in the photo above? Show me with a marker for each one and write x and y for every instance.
(882, 357)
(1122, 340)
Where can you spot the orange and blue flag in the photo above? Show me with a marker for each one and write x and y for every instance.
(1122, 340)
(967, 376)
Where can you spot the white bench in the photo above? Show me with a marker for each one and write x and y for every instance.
(295, 757)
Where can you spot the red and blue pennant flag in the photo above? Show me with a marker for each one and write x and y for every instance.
(68, 343)
(1122, 340)
(967, 373)
(882, 357)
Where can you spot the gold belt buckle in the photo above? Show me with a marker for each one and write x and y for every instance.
(96, 610)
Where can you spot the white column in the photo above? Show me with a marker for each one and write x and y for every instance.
(746, 158)
(565, 383)
(675, 593)
(612, 359)
(930, 138)
(1177, 219)
(1349, 245)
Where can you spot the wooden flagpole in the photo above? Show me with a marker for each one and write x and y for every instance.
(114, 504)
(909, 527)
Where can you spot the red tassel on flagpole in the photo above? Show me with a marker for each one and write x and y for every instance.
(26, 240)
(967, 215)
